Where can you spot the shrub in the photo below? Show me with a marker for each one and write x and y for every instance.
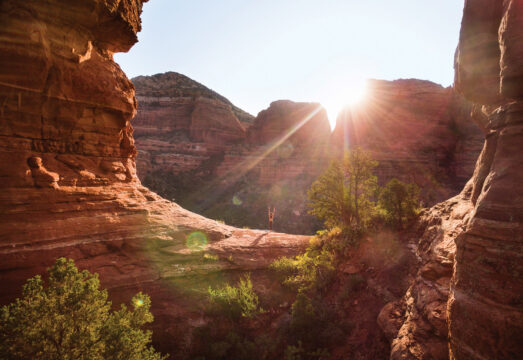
(235, 302)
(71, 318)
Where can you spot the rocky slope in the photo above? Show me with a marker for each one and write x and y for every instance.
(467, 293)
(69, 185)
(418, 131)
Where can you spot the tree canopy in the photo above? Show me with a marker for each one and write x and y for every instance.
(400, 201)
(71, 318)
(342, 196)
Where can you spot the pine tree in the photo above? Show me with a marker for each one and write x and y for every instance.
(71, 318)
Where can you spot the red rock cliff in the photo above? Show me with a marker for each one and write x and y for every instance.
(485, 303)
(181, 123)
(69, 186)
(418, 131)
(467, 293)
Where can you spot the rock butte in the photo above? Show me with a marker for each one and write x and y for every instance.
(69, 186)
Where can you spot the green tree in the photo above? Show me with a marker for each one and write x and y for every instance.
(400, 201)
(71, 318)
(343, 195)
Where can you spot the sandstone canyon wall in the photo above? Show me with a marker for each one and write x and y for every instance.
(224, 174)
(68, 180)
(485, 303)
(418, 131)
(466, 296)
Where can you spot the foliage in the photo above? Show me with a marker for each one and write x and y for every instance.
(300, 353)
(314, 324)
(71, 318)
(315, 269)
(213, 344)
(343, 195)
(235, 302)
(312, 270)
(400, 201)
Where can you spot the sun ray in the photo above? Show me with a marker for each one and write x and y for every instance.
(221, 184)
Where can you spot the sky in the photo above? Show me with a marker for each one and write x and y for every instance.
(254, 52)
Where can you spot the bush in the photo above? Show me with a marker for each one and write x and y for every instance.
(71, 318)
(235, 302)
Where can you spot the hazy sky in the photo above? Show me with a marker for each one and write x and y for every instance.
(256, 51)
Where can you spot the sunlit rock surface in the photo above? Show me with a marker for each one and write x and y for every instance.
(418, 131)
(182, 124)
(485, 302)
(68, 177)
(272, 162)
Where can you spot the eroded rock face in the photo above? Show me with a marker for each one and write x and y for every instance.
(418, 131)
(417, 325)
(234, 179)
(181, 123)
(468, 289)
(302, 123)
(485, 303)
(69, 185)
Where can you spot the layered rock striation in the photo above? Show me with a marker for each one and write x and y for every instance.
(418, 131)
(181, 123)
(68, 176)
(485, 302)
(467, 294)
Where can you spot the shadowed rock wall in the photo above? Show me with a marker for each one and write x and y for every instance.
(485, 303)
(467, 295)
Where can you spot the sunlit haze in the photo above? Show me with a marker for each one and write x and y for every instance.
(255, 52)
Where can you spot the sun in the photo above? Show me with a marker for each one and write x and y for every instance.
(344, 95)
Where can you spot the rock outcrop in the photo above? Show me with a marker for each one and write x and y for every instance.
(69, 185)
(485, 302)
(418, 131)
(467, 293)
(181, 123)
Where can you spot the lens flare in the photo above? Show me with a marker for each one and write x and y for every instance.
(236, 200)
(138, 302)
(196, 241)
